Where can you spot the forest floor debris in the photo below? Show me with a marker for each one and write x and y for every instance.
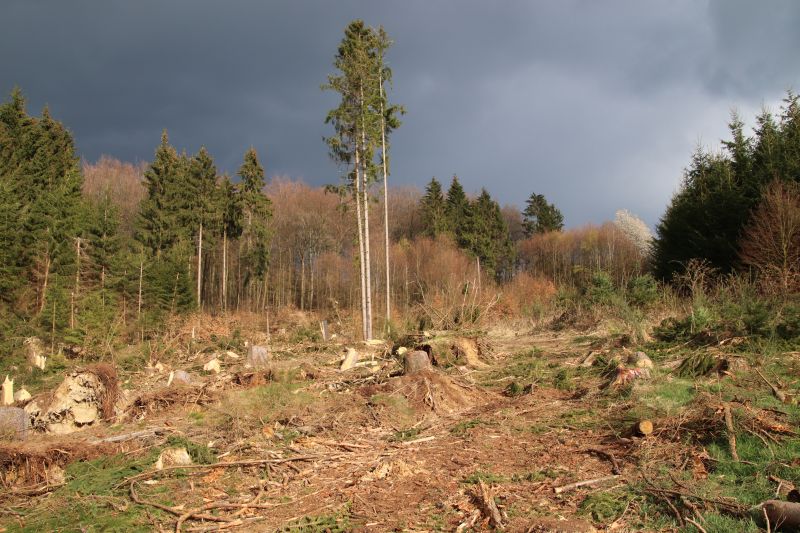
(298, 443)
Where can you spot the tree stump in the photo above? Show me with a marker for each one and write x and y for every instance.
(416, 361)
(257, 356)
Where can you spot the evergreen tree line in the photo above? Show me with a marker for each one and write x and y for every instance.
(708, 218)
(479, 227)
(66, 268)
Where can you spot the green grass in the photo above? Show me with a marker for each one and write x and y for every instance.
(338, 522)
(487, 477)
(605, 507)
(462, 428)
(91, 500)
(404, 435)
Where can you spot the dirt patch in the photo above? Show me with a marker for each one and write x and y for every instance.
(167, 397)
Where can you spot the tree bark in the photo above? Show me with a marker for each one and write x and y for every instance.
(224, 270)
(361, 248)
(200, 267)
(385, 203)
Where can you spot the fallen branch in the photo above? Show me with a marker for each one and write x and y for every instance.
(775, 390)
(134, 435)
(615, 468)
(586, 483)
(231, 464)
(698, 526)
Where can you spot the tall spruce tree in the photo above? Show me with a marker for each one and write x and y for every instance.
(256, 215)
(230, 227)
(457, 208)
(358, 129)
(433, 210)
(200, 209)
(389, 122)
(157, 227)
(540, 216)
(485, 235)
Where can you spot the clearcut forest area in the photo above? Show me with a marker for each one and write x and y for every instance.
(184, 350)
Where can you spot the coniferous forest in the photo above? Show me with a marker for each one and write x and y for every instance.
(194, 349)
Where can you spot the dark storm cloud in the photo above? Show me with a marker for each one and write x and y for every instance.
(598, 105)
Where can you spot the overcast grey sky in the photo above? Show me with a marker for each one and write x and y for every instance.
(597, 105)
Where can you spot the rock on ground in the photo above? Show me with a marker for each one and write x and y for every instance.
(13, 423)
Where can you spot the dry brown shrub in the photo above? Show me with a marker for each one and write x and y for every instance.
(121, 182)
(771, 242)
(569, 256)
(525, 293)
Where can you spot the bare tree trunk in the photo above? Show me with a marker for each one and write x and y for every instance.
(200, 267)
(365, 192)
(224, 270)
(141, 271)
(311, 294)
(361, 249)
(44, 284)
(385, 204)
(302, 280)
(367, 259)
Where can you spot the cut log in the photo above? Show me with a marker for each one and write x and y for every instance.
(643, 428)
(782, 516)
(416, 361)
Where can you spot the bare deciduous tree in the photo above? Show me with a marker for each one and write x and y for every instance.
(771, 242)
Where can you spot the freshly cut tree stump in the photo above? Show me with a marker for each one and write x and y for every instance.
(643, 428)
(257, 356)
(416, 361)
